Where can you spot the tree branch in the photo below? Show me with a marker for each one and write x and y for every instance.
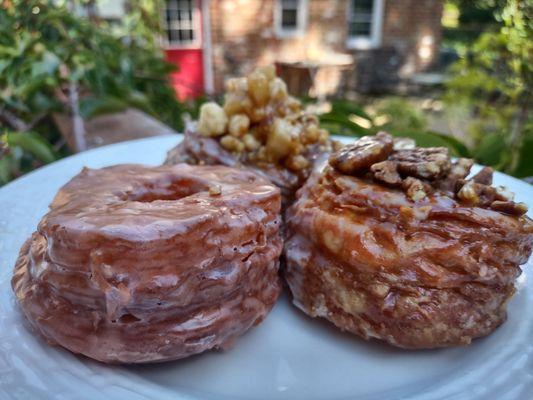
(13, 121)
(78, 126)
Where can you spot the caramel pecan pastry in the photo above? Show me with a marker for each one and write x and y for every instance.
(398, 243)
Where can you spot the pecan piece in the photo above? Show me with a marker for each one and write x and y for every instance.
(427, 163)
(385, 171)
(403, 143)
(362, 154)
(469, 192)
(415, 189)
(458, 171)
(477, 194)
(461, 168)
(503, 194)
(484, 176)
(509, 207)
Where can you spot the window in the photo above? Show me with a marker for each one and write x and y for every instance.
(290, 17)
(364, 23)
(180, 22)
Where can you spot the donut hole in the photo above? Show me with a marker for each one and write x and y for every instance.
(128, 319)
(164, 191)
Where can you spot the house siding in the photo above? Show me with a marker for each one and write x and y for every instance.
(244, 36)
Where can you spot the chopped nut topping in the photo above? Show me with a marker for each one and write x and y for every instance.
(385, 171)
(426, 163)
(470, 192)
(297, 163)
(212, 121)
(362, 154)
(279, 139)
(311, 135)
(231, 143)
(258, 88)
(503, 194)
(421, 171)
(238, 124)
(269, 71)
(403, 144)
(478, 194)
(461, 168)
(484, 176)
(415, 189)
(509, 207)
(250, 142)
(261, 123)
(278, 89)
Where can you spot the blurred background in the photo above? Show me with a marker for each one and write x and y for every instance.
(79, 74)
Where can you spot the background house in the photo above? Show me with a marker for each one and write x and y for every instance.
(364, 45)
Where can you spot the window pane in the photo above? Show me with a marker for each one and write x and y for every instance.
(184, 4)
(360, 29)
(170, 16)
(289, 19)
(360, 18)
(179, 21)
(362, 6)
(174, 36)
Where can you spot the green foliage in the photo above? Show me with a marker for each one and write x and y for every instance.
(494, 81)
(394, 115)
(401, 116)
(22, 152)
(473, 18)
(45, 48)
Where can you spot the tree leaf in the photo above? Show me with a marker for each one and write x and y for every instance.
(93, 106)
(33, 144)
(346, 107)
(429, 139)
(5, 169)
(460, 148)
(46, 66)
(491, 150)
(525, 164)
(344, 125)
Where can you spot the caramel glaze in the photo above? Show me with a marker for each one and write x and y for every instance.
(196, 149)
(135, 264)
(423, 274)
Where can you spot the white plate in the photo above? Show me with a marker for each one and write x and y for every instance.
(289, 356)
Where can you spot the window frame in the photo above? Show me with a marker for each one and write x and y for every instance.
(364, 42)
(301, 20)
(196, 25)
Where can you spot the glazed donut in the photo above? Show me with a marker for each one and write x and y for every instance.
(403, 251)
(136, 264)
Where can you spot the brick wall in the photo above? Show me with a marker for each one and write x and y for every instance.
(413, 28)
(243, 36)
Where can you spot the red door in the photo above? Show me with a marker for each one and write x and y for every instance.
(183, 26)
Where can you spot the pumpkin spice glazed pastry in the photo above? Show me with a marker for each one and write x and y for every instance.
(135, 264)
(395, 242)
(260, 126)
